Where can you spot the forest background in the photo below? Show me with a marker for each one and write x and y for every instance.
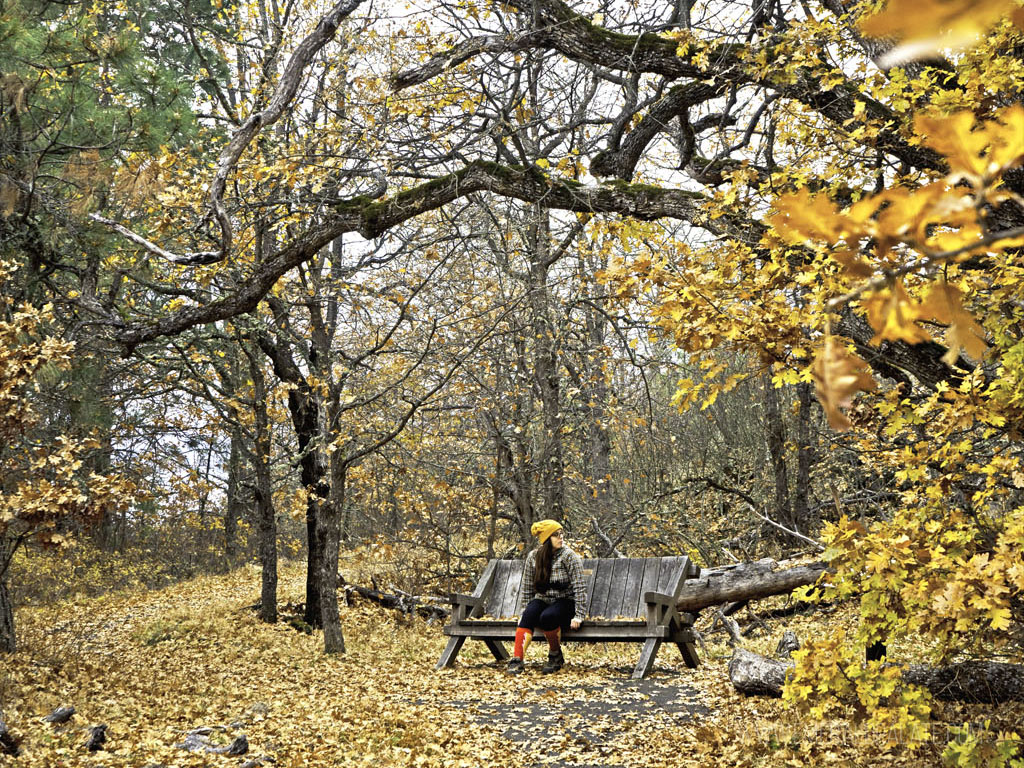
(289, 279)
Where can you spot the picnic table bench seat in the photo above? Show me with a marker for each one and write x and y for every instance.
(628, 600)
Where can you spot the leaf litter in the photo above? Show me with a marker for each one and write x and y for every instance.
(157, 666)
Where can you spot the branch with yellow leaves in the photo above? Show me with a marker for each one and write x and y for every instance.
(925, 265)
(372, 218)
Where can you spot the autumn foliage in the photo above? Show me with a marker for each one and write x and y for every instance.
(317, 277)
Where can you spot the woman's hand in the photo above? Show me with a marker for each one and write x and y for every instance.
(575, 623)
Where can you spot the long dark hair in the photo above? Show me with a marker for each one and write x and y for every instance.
(542, 565)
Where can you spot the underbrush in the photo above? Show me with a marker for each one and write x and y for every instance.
(82, 569)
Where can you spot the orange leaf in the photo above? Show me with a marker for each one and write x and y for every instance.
(893, 315)
(925, 27)
(944, 304)
(838, 376)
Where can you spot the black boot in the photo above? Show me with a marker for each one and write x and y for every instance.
(515, 666)
(554, 663)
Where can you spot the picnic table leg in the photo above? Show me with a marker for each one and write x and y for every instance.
(646, 663)
(498, 649)
(451, 651)
(689, 655)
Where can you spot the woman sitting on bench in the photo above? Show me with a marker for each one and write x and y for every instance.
(553, 598)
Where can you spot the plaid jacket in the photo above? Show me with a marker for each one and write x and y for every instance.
(567, 569)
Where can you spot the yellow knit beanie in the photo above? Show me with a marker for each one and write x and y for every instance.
(543, 529)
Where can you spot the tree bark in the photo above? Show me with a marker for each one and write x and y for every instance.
(804, 459)
(746, 581)
(546, 366)
(594, 386)
(305, 408)
(757, 675)
(330, 539)
(987, 682)
(233, 507)
(8, 643)
(266, 520)
(775, 436)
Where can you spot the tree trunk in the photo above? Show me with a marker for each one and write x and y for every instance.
(775, 435)
(330, 539)
(746, 581)
(545, 367)
(7, 639)
(599, 443)
(234, 506)
(986, 682)
(804, 459)
(312, 479)
(757, 675)
(518, 486)
(305, 409)
(266, 520)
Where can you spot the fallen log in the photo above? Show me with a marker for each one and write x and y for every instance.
(986, 682)
(982, 682)
(60, 715)
(745, 581)
(400, 601)
(97, 738)
(757, 675)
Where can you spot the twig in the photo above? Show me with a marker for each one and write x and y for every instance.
(796, 534)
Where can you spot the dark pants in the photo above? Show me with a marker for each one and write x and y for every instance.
(548, 616)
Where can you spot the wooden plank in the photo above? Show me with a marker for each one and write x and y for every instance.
(497, 592)
(513, 587)
(689, 655)
(684, 573)
(589, 571)
(634, 578)
(609, 633)
(486, 580)
(652, 569)
(668, 573)
(602, 583)
(587, 623)
(617, 588)
(498, 650)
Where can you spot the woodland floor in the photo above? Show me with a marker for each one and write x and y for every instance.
(154, 665)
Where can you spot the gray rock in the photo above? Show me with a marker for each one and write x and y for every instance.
(59, 715)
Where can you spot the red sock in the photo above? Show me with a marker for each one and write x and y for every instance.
(554, 638)
(521, 635)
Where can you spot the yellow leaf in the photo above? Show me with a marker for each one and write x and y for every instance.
(893, 315)
(924, 27)
(944, 304)
(1000, 618)
(802, 216)
(838, 376)
(976, 153)
(1006, 136)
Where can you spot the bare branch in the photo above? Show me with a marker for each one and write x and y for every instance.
(187, 259)
(283, 96)
(795, 534)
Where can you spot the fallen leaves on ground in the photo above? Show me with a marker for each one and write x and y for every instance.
(156, 665)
